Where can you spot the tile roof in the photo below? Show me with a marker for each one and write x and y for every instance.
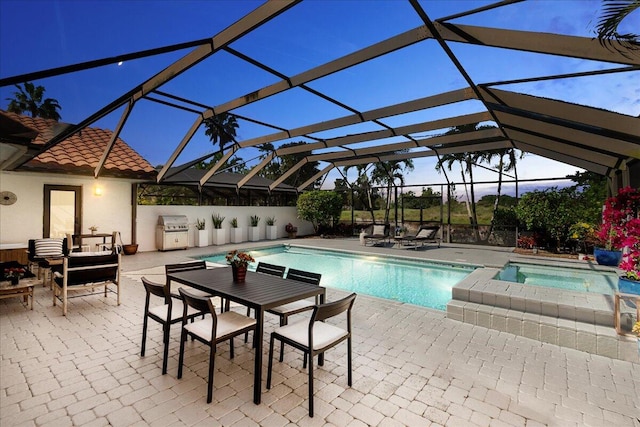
(80, 153)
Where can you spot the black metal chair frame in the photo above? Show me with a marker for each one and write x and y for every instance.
(161, 291)
(204, 304)
(320, 313)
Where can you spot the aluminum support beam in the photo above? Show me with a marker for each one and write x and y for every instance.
(546, 43)
(185, 140)
(392, 110)
(114, 138)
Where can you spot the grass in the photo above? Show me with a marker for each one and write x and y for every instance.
(458, 215)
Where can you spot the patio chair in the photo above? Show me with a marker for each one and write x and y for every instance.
(188, 266)
(379, 234)
(314, 336)
(295, 307)
(425, 234)
(168, 313)
(266, 268)
(86, 271)
(40, 251)
(211, 330)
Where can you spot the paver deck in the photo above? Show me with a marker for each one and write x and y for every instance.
(412, 367)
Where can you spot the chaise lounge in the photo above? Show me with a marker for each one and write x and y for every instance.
(379, 234)
(425, 234)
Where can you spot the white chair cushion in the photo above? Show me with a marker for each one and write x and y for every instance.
(196, 292)
(323, 333)
(293, 307)
(48, 247)
(228, 322)
(427, 233)
(378, 230)
(176, 311)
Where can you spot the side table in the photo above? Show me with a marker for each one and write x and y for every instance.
(24, 288)
(616, 312)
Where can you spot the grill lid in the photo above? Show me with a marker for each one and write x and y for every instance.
(173, 222)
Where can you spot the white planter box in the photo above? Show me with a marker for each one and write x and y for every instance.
(254, 234)
(272, 232)
(202, 238)
(236, 235)
(219, 236)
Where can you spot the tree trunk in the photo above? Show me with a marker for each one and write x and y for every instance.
(474, 212)
(496, 202)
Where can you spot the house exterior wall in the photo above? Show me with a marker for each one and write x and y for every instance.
(147, 220)
(112, 211)
(24, 219)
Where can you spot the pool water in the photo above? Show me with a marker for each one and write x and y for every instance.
(427, 284)
(572, 279)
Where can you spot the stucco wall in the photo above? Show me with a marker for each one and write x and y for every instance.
(112, 211)
(24, 219)
(148, 218)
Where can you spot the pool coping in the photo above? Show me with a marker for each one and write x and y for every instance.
(580, 320)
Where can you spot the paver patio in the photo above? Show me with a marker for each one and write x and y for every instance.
(412, 367)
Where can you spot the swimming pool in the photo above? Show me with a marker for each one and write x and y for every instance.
(423, 283)
(572, 279)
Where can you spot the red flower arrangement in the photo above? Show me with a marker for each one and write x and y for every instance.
(239, 259)
(621, 229)
(14, 272)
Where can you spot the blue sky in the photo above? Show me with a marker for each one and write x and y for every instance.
(312, 33)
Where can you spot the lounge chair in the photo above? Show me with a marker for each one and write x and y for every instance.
(425, 234)
(379, 234)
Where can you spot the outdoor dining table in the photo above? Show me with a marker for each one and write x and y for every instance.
(259, 291)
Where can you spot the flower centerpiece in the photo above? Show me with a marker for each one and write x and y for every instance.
(239, 261)
(93, 229)
(13, 274)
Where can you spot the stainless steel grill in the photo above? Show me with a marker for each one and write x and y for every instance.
(172, 232)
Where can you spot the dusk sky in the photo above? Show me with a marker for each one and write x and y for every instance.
(38, 35)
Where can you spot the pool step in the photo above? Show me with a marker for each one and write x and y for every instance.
(577, 320)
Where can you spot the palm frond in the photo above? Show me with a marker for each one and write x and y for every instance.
(613, 13)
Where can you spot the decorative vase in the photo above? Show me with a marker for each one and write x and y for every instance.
(254, 234)
(15, 280)
(628, 286)
(239, 273)
(606, 257)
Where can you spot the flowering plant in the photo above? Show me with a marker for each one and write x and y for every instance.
(236, 258)
(621, 229)
(636, 328)
(14, 272)
(290, 228)
(93, 228)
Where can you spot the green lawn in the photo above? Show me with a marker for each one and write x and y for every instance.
(458, 215)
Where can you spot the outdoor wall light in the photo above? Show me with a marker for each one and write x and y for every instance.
(97, 190)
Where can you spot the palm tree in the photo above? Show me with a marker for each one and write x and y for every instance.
(502, 167)
(466, 161)
(28, 99)
(221, 129)
(386, 173)
(613, 13)
(363, 185)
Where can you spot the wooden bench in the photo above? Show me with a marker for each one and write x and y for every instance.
(86, 271)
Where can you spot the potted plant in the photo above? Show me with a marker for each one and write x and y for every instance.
(219, 235)
(93, 229)
(254, 231)
(272, 230)
(239, 261)
(618, 211)
(291, 230)
(236, 231)
(202, 237)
